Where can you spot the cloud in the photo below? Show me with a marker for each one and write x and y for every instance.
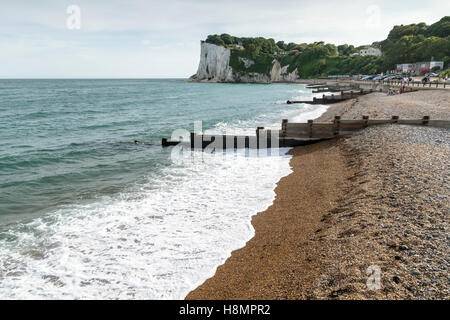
(121, 37)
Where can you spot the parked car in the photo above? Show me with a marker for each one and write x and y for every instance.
(377, 78)
(431, 74)
(393, 77)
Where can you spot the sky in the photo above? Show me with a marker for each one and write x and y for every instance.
(161, 39)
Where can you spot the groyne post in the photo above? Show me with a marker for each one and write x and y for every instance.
(192, 140)
(310, 123)
(337, 125)
(284, 123)
(366, 121)
(196, 141)
(257, 136)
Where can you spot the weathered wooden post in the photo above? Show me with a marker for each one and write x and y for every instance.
(310, 123)
(425, 120)
(257, 136)
(192, 140)
(284, 127)
(268, 137)
(196, 140)
(337, 125)
(224, 142)
(366, 121)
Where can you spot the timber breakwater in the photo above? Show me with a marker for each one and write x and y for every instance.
(346, 91)
(296, 134)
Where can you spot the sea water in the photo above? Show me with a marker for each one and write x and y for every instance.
(85, 213)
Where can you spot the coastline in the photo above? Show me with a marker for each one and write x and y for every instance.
(267, 268)
(350, 204)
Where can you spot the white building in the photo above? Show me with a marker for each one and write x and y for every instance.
(406, 67)
(439, 64)
(370, 51)
(419, 68)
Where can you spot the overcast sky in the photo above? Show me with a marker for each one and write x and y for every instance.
(144, 39)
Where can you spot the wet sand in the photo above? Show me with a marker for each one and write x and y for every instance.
(378, 199)
(280, 261)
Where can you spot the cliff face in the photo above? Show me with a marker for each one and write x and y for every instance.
(280, 73)
(215, 66)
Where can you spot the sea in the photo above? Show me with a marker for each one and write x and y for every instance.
(86, 213)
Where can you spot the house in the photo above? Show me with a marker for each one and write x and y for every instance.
(405, 68)
(419, 68)
(428, 66)
(370, 51)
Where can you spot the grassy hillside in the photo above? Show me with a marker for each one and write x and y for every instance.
(410, 43)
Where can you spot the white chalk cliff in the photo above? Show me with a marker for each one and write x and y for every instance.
(214, 63)
(215, 66)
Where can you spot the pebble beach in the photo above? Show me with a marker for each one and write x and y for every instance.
(378, 199)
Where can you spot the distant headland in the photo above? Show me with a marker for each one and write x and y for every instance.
(225, 58)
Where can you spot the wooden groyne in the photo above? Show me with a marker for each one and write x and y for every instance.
(340, 127)
(317, 85)
(296, 134)
(332, 89)
(345, 94)
(333, 98)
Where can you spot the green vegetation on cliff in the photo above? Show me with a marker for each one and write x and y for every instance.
(417, 42)
(405, 44)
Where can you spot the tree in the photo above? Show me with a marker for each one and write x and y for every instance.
(281, 45)
(440, 28)
(227, 39)
(215, 39)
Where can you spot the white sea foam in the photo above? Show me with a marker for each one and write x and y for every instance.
(160, 243)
